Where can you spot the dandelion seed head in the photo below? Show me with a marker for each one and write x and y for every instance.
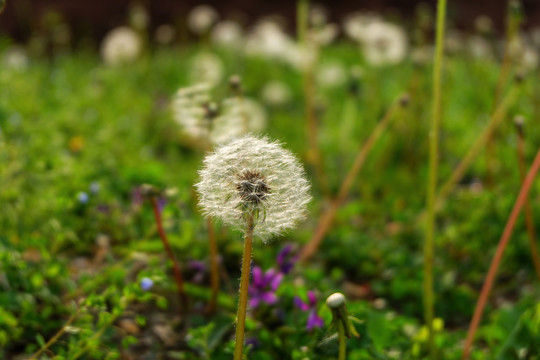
(254, 177)
(384, 43)
(121, 45)
(201, 18)
(206, 67)
(228, 34)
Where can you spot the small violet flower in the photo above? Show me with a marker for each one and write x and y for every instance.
(146, 283)
(286, 259)
(313, 319)
(83, 197)
(199, 268)
(263, 287)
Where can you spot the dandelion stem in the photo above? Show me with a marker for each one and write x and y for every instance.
(428, 296)
(342, 339)
(328, 216)
(214, 266)
(503, 242)
(244, 286)
(529, 221)
(302, 8)
(170, 254)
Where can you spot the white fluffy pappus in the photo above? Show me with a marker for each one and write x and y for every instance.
(254, 178)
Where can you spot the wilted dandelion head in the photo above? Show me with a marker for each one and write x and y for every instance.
(254, 181)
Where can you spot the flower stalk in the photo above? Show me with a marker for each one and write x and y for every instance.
(244, 286)
(428, 293)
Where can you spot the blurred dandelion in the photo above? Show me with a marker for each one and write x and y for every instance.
(121, 45)
(203, 122)
(206, 67)
(276, 93)
(201, 18)
(228, 34)
(384, 43)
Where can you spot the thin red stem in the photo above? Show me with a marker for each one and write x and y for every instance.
(490, 278)
(170, 254)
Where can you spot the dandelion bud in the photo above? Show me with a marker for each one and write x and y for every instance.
(236, 84)
(518, 121)
(253, 181)
(519, 77)
(335, 301)
(404, 100)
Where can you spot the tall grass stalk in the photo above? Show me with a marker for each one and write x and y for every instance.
(428, 293)
(503, 242)
(244, 286)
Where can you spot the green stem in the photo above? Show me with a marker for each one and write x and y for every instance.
(56, 336)
(301, 19)
(244, 286)
(342, 355)
(429, 302)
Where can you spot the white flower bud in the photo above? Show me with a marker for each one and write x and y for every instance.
(335, 301)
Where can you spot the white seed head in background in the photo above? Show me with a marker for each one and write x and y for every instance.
(384, 43)
(254, 177)
(331, 74)
(206, 67)
(120, 46)
(276, 93)
(192, 113)
(228, 34)
(201, 18)
(203, 121)
(237, 116)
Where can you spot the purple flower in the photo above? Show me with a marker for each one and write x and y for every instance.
(286, 259)
(146, 283)
(313, 319)
(263, 287)
(199, 268)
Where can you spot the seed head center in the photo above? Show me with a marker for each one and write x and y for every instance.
(252, 187)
